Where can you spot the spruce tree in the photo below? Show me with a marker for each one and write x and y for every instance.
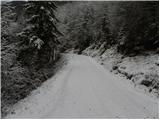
(41, 31)
(140, 26)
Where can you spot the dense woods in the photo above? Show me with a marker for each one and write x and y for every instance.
(29, 48)
(35, 33)
(131, 26)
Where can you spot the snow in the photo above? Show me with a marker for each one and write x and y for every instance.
(141, 68)
(84, 89)
(42, 8)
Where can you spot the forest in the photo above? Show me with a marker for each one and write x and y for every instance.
(36, 34)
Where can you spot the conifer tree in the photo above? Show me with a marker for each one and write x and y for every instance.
(41, 31)
(7, 17)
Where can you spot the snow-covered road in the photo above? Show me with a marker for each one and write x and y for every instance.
(84, 89)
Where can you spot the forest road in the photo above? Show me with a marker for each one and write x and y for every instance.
(84, 89)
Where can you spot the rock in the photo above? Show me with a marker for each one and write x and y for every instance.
(157, 64)
(150, 90)
(122, 57)
(129, 76)
(123, 67)
(146, 83)
(115, 67)
(13, 112)
(116, 72)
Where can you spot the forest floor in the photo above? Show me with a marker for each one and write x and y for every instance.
(85, 89)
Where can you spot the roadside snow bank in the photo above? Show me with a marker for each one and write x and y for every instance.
(142, 70)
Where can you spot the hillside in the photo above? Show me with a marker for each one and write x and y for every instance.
(140, 70)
